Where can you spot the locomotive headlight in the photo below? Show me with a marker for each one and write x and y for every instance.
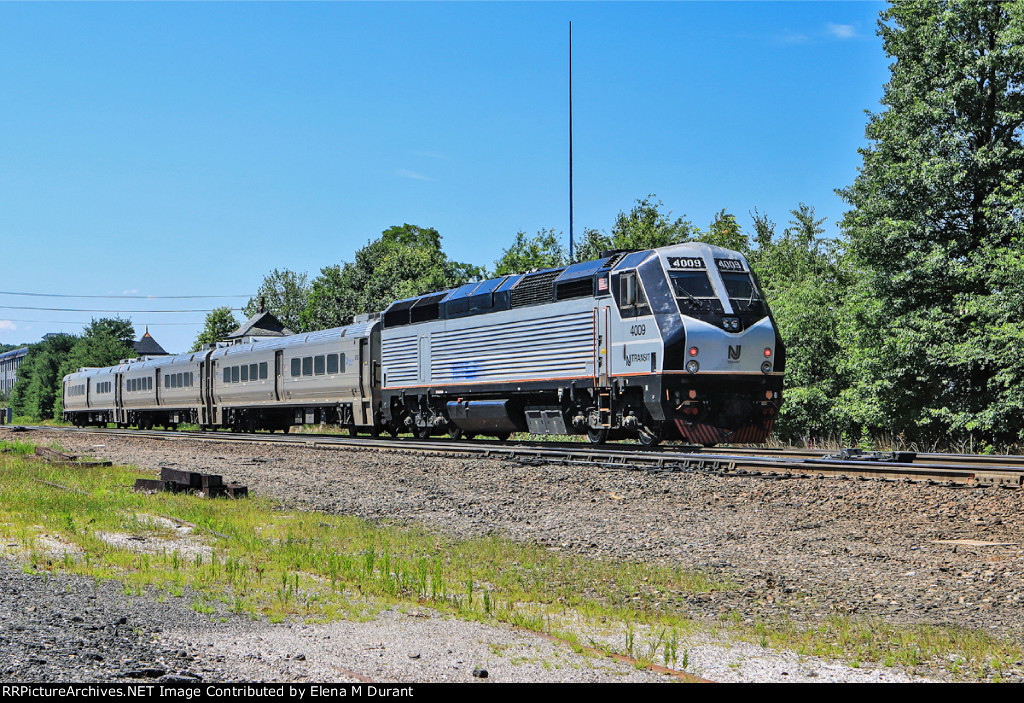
(766, 367)
(731, 324)
(693, 366)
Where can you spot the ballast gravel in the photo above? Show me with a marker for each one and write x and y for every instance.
(800, 549)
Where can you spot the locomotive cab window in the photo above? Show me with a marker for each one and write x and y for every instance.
(693, 290)
(743, 294)
(632, 298)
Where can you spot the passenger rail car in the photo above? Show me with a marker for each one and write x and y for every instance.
(319, 377)
(670, 342)
(322, 376)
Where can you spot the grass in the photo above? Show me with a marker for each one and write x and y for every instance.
(264, 561)
(965, 653)
(257, 559)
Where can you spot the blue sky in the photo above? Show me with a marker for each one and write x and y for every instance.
(169, 149)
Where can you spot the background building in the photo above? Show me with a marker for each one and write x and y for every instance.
(9, 363)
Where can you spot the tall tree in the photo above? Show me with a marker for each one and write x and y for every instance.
(725, 231)
(805, 278)
(37, 392)
(285, 294)
(645, 226)
(542, 251)
(405, 261)
(220, 322)
(104, 342)
(937, 226)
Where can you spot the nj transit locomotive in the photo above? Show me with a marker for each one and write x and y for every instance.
(675, 342)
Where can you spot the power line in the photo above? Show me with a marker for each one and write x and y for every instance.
(119, 312)
(133, 297)
(81, 322)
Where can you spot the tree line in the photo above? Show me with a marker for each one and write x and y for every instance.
(907, 327)
(38, 393)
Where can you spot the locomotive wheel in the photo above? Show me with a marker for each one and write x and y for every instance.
(649, 437)
(392, 430)
(597, 436)
(421, 432)
(455, 432)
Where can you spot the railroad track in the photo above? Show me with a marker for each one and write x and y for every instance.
(942, 469)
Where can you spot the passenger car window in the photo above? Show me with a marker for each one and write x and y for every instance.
(318, 365)
(307, 366)
(296, 367)
(263, 370)
(332, 363)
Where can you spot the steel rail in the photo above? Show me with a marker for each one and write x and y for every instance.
(949, 469)
(999, 460)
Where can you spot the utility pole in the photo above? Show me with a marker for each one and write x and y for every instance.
(570, 143)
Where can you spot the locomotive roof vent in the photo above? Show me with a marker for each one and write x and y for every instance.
(618, 252)
(535, 288)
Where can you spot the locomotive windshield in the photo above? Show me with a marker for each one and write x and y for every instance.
(743, 294)
(692, 284)
(692, 289)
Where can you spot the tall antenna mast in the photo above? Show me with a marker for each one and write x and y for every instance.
(570, 142)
